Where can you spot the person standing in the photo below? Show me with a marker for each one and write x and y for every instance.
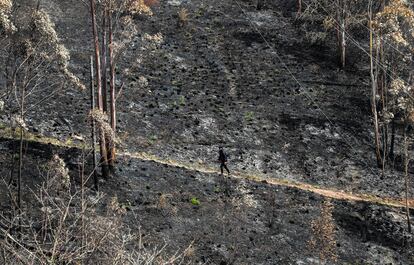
(223, 160)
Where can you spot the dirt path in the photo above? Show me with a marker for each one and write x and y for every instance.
(202, 168)
(330, 193)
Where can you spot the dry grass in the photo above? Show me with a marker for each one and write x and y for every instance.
(140, 7)
(76, 226)
(323, 240)
(183, 17)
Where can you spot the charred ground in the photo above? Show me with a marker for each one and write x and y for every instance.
(281, 107)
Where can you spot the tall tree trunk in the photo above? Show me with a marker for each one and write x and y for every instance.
(104, 60)
(391, 154)
(22, 128)
(83, 203)
(343, 33)
(19, 174)
(95, 175)
(374, 90)
(338, 28)
(259, 4)
(299, 7)
(384, 93)
(384, 100)
(105, 20)
(406, 163)
(341, 30)
(97, 54)
(112, 153)
(104, 161)
(380, 90)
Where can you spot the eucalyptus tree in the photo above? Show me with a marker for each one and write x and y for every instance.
(118, 29)
(394, 25)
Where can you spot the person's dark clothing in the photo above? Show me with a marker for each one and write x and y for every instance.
(222, 156)
(223, 165)
(223, 159)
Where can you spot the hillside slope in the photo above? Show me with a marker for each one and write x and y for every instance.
(247, 80)
(232, 221)
(236, 77)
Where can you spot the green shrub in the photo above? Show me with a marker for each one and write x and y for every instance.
(181, 101)
(194, 201)
(249, 116)
(152, 139)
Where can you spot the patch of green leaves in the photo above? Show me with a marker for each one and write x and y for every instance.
(194, 201)
(249, 116)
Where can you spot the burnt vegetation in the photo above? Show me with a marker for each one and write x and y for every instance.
(112, 113)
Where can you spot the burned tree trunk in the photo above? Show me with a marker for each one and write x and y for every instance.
(20, 169)
(104, 60)
(95, 176)
(391, 153)
(259, 4)
(406, 163)
(374, 90)
(104, 160)
(341, 15)
(112, 152)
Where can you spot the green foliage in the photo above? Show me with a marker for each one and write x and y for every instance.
(181, 101)
(152, 139)
(127, 206)
(249, 116)
(194, 201)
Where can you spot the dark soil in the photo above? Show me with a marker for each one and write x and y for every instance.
(237, 221)
(281, 108)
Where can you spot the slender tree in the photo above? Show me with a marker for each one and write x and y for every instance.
(392, 46)
(342, 15)
(374, 87)
(104, 58)
(259, 4)
(113, 12)
(339, 16)
(395, 22)
(102, 138)
(406, 178)
(93, 129)
(112, 153)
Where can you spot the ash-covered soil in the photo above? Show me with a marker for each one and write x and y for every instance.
(236, 221)
(279, 106)
(241, 78)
